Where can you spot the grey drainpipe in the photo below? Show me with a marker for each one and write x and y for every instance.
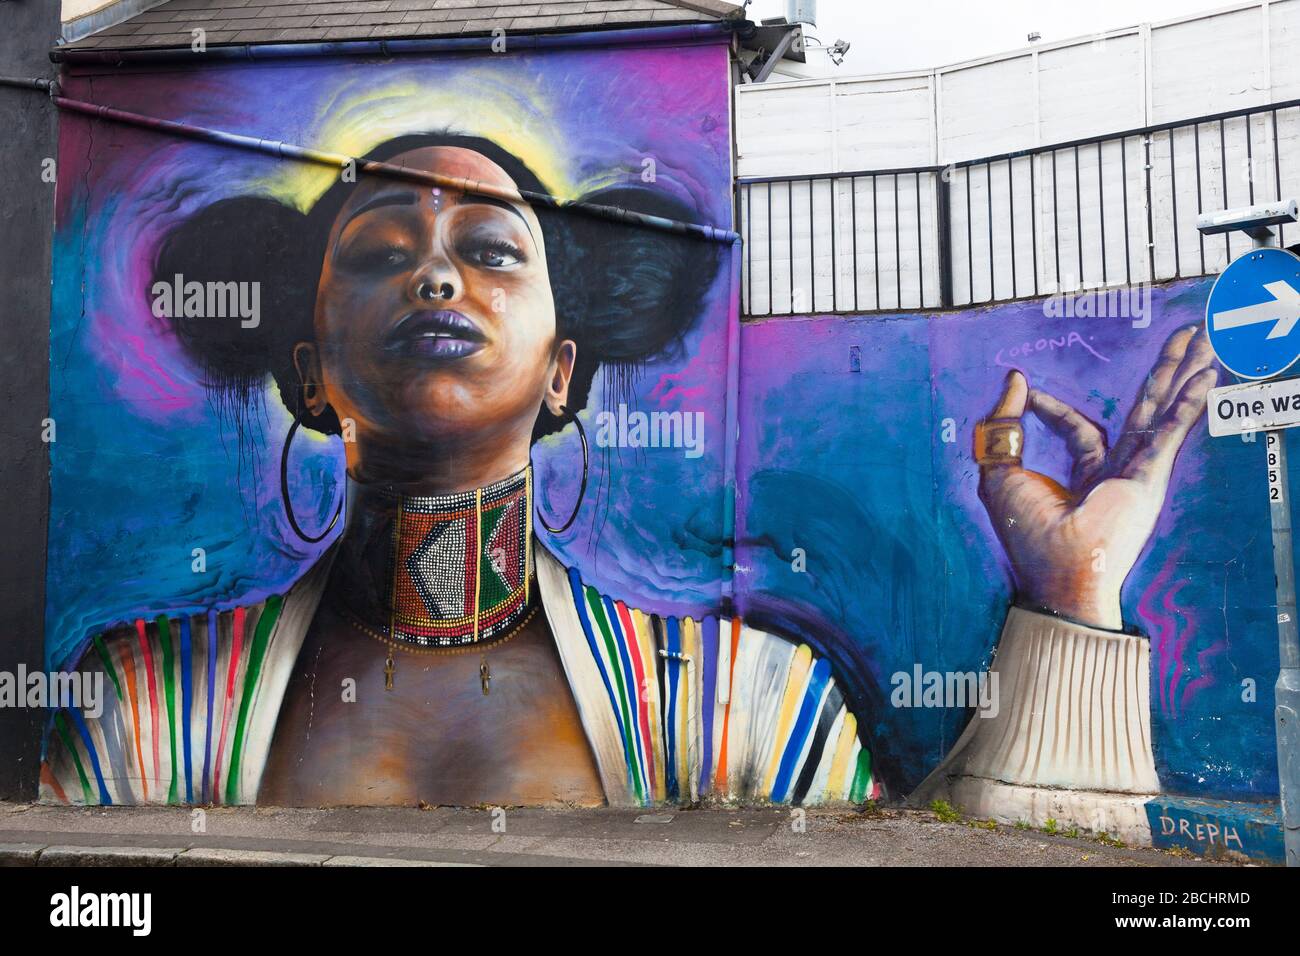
(30, 83)
(283, 150)
(730, 491)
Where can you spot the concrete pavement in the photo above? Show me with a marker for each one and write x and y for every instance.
(443, 836)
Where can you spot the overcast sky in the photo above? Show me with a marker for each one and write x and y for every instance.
(923, 33)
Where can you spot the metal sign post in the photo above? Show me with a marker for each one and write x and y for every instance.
(1237, 336)
(1286, 692)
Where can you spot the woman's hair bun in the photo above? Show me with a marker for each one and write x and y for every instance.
(632, 291)
(263, 246)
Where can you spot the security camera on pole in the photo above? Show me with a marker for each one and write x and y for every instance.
(1252, 318)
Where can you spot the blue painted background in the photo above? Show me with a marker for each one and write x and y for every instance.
(852, 467)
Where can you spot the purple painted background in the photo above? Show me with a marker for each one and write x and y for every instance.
(145, 469)
(903, 565)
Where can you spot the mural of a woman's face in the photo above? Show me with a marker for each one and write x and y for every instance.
(435, 324)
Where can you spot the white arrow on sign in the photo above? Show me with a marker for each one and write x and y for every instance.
(1283, 310)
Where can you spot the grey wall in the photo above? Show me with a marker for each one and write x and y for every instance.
(28, 29)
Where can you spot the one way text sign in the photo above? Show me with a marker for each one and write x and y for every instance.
(1236, 409)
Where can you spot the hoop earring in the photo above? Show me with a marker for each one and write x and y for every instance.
(284, 491)
(582, 489)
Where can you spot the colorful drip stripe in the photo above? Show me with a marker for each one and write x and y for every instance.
(84, 732)
(817, 748)
(809, 750)
(61, 728)
(644, 704)
(709, 640)
(227, 701)
(580, 603)
(147, 653)
(128, 666)
(145, 665)
(261, 637)
(169, 692)
(672, 670)
(627, 686)
(794, 747)
(187, 705)
(721, 780)
(212, 684)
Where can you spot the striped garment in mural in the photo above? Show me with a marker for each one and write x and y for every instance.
(676, 709)
(711, 707)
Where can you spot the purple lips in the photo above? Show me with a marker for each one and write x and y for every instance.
(443, 334)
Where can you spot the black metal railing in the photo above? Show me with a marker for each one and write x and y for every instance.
(840, 242)
(1104, 210)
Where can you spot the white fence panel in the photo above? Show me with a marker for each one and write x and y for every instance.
(1043, 191)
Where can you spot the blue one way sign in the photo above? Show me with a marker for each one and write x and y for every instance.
(1253, 314)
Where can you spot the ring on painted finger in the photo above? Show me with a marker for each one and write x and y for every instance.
(999, 441)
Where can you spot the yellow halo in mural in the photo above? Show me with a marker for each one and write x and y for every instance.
(483, 100)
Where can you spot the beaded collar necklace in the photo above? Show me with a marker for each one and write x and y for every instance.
(457, 569)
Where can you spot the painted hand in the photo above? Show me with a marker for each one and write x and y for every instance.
(1072, 547)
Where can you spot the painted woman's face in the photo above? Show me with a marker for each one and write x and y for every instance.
(435, 321)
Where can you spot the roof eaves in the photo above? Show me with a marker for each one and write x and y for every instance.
(716, 8)
(100, 49)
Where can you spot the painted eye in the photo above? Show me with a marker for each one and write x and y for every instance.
(496, 254)
(378, 258)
